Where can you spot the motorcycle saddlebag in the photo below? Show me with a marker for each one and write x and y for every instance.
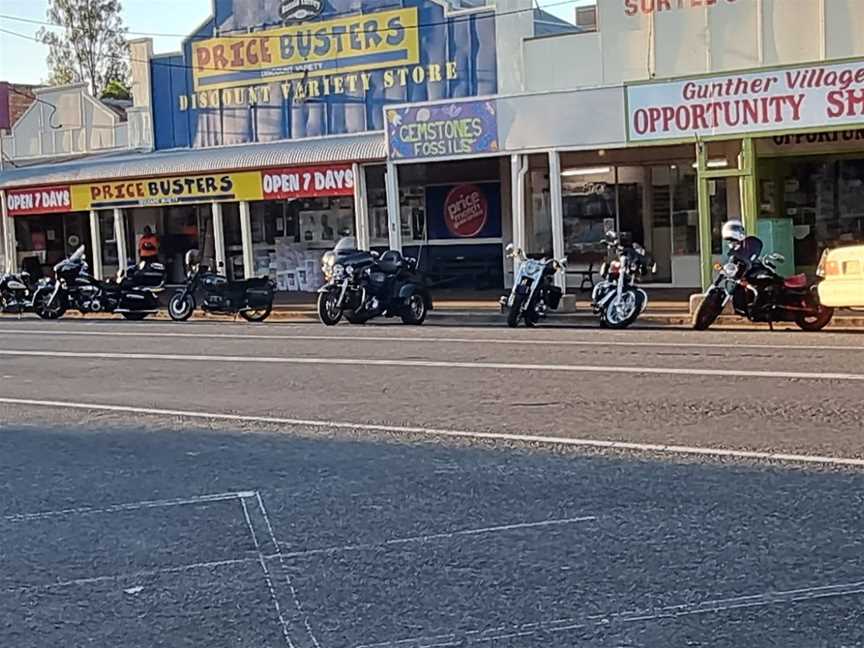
(150, 276)
(259, 294)
(553, 298)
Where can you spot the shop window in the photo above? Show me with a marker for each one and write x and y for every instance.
(589, 211)
(44, 240)
(289, 238)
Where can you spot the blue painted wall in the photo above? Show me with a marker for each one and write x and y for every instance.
(467, 41)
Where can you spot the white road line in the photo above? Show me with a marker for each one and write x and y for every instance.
(144, 573)
(601, 342)
(457, 434)
(714, 606)
(443, 364)
(430, 537)
(263, 562)
(131, 506)
(294, 596)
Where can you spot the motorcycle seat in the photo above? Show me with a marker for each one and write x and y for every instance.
(796, 281)
(390, 262)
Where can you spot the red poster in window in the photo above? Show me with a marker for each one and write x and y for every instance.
(308, 182)
(466, 211)
(44, 200)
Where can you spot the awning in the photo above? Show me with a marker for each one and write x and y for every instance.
(361, 147)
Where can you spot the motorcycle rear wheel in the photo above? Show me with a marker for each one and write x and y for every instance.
(415, 312)
(708, 312)
(816, 322)
(328, 312)
(257, 315)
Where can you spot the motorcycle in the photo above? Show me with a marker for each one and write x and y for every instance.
(132, 294)
(252, 299)
(534, 292)
(751, 282)
(16, 293)
(616, 298)
(361, 285)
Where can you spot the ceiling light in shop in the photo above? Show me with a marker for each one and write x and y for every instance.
(586, 171)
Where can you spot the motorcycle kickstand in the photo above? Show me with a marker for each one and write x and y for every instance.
(771, 325)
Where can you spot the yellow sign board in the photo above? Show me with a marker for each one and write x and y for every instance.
(167, 191)
(348, 44)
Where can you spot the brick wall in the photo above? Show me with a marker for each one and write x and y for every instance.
(15, 98)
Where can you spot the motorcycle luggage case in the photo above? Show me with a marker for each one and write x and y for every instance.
(259, 293)
(151, 276)
(554, 297)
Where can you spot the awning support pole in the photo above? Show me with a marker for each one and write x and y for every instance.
(120, 237)
(361, 212)
(557, 213)
(518, 169)
(246, 234)
(394, 227)
(96, 238)
(219, 238)
(8, 230)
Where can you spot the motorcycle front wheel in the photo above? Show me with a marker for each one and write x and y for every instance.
(181, 307)
(515, 311)
(709, 310)
(49, 312)
(622, 311)
(257, 315)
(329, 312)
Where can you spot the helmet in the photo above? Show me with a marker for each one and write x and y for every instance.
(733, 231)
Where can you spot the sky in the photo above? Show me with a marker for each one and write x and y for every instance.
(23, 61)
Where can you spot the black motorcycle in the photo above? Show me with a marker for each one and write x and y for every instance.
(362, 285)
(16, 292)
(616, 298)
(252, 299)
(759, 293)
(132, 295)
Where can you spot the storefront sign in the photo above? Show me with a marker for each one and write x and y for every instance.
(308, 182)
(328, 72)
(465, 211)
(821, 96)
(465, 128)
(350, 44)
(647, 7)
(44, 200)
(167, 191)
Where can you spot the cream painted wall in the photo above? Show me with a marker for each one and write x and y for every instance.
(727, 35)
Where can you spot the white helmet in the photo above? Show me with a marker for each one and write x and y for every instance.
(733, 231)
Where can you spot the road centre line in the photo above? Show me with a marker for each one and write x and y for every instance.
(448, 433)
(442, 364)
(598, 342)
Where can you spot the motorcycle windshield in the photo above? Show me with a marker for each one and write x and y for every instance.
(77, 255)
(749, 250)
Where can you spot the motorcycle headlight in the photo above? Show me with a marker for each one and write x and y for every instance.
(338, 271)
(730, 269)
(349, 270)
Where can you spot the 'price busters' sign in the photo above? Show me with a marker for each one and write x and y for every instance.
(463, 128)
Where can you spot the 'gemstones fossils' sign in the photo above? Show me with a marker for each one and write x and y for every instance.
(463, 128)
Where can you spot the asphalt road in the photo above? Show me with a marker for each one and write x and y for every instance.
(286, 485)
